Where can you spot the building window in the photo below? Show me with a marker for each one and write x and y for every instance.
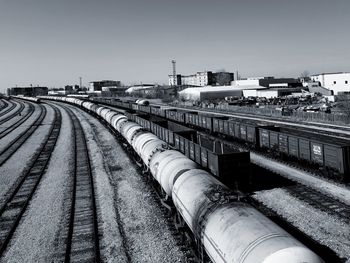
(346, 82)
(334, 82)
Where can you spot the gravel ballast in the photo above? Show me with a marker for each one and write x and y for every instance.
(16, 165)
(24, 126)
(324, 228)
(130, 215)
(34, 239)
(340, 192)
(10, 112)
(15, 119)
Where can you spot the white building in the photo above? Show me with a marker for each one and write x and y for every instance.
(200, 79)
(338, 82)
(215, 92)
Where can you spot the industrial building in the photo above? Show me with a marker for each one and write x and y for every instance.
(269, 82)
(210, 93)
(27, 91)
(270, 92)
(201, 79)
(97, 85)
(113, 91)
(337, 82)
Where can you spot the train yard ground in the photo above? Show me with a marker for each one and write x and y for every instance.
(131, 224)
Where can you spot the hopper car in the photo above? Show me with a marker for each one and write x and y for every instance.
(250, 133)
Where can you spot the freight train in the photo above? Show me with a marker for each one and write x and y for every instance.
(330, 154)
(226, 228)
(32, 99)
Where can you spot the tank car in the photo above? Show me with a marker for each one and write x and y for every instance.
(232, 231)
(229, 230)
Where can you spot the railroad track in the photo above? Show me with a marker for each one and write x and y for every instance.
(321, 201)
(23, 118)
(4, 105)
(82, 241)
(5, 119)
(14, 145)
(17, 201)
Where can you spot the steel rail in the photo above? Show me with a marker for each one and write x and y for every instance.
(18, 200)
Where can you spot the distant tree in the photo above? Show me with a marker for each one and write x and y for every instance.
(305, 75)
(222, 78)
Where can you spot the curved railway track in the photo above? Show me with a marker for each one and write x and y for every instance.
(321, 201)
(17, 201)
(14, 145)
(8, 108)
(5, 119)
(4, 105)
(82, 241)
(23, 118)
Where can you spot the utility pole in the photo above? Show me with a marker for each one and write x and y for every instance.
(80, 83)
(174, 72)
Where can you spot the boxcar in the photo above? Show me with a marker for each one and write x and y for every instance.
(325, 151)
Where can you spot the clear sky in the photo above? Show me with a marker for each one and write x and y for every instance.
(53, 42)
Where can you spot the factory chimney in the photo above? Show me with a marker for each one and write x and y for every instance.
(174, 73)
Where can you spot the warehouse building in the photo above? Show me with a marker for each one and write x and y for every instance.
(270, 92)
(214, 92)
(336, 82)
(28, 91)
(97, 85)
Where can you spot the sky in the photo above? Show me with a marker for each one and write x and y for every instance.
(54, 42)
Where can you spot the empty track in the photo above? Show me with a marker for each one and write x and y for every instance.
(14, 145)
(18, 199)
(13, 114)
(4, 104)
(23, 118)
(321, 201)
(82, 241)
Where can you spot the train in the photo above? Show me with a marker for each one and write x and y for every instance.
(226, 228)
(328, 154)
(32, 99)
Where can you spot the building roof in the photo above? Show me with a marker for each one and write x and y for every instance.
(330, 73)
(139, 87)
